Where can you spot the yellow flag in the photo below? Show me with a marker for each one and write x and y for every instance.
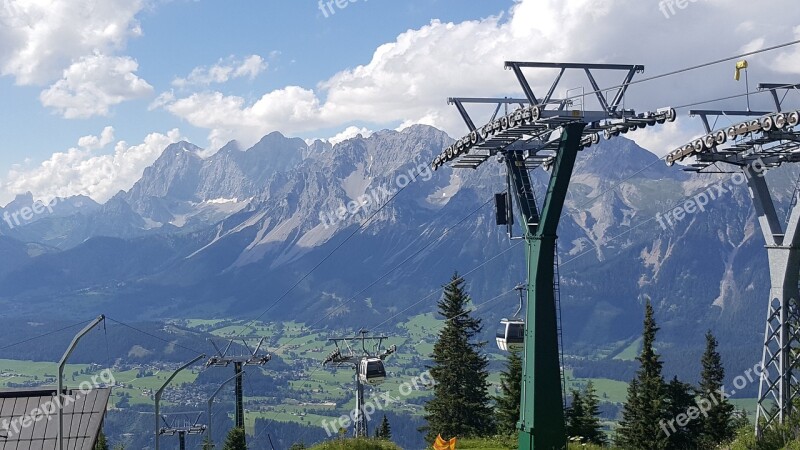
(741, 65)
(441, 444)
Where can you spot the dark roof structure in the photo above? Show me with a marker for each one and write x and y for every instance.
(29, 418)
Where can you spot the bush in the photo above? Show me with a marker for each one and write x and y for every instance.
(357, 444)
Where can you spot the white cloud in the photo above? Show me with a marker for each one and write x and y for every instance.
(666, 138)
(408, 80)
(349, 133)
(789, 61)
(93, 84)
(92, 142)
(249, 67)
(229, 117)
(38, 39)
(79, 171)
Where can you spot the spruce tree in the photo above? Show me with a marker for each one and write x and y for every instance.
(683, 431)
(101, 442)
(574, 417)
(583, 417)
(208, 444)
(644, 411)
(384, 430)
(235, 440)
(510, 394)
(717, 427)
(460, 406)
(592, 431)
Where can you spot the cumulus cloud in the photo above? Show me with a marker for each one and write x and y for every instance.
(79, 170)
(92, 142)
(93, 84)
(38, 39)
(789, 61)
(407, 80)
(249, 67)
(349, 133)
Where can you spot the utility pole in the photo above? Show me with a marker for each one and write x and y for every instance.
(61, 364)
(545, 132)
(160, 391)
(237, 376)
(223, 359)
(363, 362)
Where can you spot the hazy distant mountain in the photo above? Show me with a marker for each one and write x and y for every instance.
(231, 233)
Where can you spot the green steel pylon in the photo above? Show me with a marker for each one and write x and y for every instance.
(541, 421)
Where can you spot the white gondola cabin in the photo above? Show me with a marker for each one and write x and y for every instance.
(511, 335)
(371, 371)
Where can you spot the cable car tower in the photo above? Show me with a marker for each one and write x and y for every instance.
(750, 148)
(544, 132)
(222, 359)
(368, 365)
(187, 427)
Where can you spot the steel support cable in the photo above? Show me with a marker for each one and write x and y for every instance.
(678, 203)
(154, 336)
(729, 97)
(643, 80)
(688, 69)
(433, 293)
(473, 309)
(49, 333)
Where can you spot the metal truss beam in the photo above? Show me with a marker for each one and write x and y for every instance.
(532, 126)
(779, 386)
(773, 89)
(753, 147)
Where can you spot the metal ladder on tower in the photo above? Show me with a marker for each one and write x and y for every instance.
(557, 296)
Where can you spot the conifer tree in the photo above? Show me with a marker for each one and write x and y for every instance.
(460, 406)
(593, 431)
(716, 427)
(510, 394)
(644, 410)
(236, 440)
(583, 417)
(574, 417)
(101, 442)
(384, 430)
(683, 432)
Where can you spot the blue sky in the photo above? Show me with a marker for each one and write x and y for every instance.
(93, 90)
(300, 45)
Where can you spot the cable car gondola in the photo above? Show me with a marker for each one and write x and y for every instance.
(511, 335)
(371, 371)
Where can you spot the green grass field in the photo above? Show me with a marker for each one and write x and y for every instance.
(630, 352)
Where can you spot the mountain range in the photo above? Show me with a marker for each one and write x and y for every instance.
(363, 234)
